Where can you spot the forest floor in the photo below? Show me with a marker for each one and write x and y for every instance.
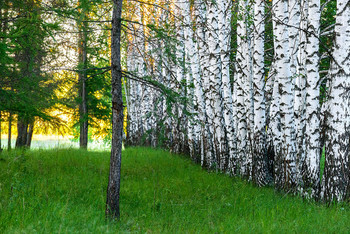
(63, 191)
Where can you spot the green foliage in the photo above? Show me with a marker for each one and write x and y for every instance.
(30, 39)
(25, 89)
(64, 191)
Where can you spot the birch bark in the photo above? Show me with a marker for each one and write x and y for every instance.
(215, 97)
(207, 129)
(299, 88)
(336, 181)
(285, 158)
(196, 93)
(224, 25)
(311, 173)
(240, 77)
(260, 167)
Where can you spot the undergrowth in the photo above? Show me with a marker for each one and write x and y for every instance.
(63, 191)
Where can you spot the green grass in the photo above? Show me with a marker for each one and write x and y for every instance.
(63, 191)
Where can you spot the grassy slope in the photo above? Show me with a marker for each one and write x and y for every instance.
(64, 191)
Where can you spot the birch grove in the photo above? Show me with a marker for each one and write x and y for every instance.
(202, 79)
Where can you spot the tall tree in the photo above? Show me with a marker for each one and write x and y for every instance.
(313, 148)
(300, 89)
(192, 68)
(214, 97)
(82, 82)
(239, 83)
(207, 132)
(224, 26)
(285, 156)
(260, 169)
(112, 202)
(30, 53)
(336, 180)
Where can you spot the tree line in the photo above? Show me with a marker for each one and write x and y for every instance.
(260, 88)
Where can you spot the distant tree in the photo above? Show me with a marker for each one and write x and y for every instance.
(83, 8)
(32, 86)
(93, 85)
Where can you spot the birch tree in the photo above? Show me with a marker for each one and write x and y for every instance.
(213, 84)
(311, 173)
(224, 25)
(336, 185)
(200, 16)
(178, 124)
(194, 94)
(260, 172)
(240, 77)
(285, 154)
(299, 89)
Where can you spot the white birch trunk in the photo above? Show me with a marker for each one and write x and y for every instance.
(178, 131)
(285, 158)
(259, 170)
(190, 64)
(311, 173)
(240, 77)
(336, 183)
(249, 89)
(224, 24)
(196, 92)
(145, 104)
(207, 128)
(299, 87)
(293, 33)
(214, 103)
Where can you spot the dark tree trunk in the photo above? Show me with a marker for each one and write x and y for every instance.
(112, 203)
(83, 110)
(9, 132)
(22, 133)
(30, 134)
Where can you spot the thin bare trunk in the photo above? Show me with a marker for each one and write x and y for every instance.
(112, 203)
(83, 110)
